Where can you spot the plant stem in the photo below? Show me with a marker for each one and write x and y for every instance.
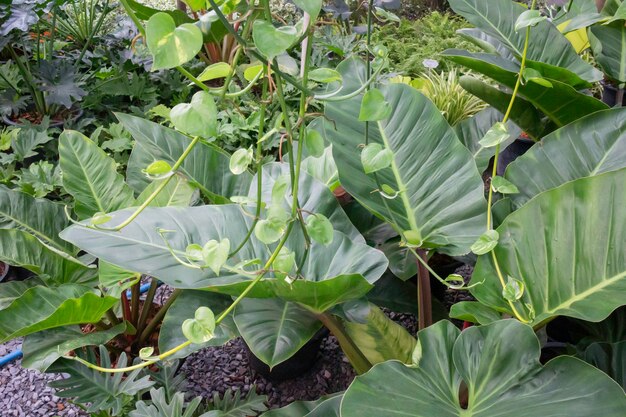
(134, 309)
(158, 317)
(147, 306)
(424, 297)
(112, 317)
(357, 359)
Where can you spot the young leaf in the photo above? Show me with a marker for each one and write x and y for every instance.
(312, 7)
(200, 329)
(240, 160)
(217, 70)
(495, 136)
(197, 118)
(284, 262)
(158, 168)
(486, 242)
(513, 290)
(272, 41)
(215, 254)
(374, 107)
(269, 230)
(279, 190)
(193, 252)
(324, 75)
(320, 229)
(532, 75)
(314, 143)
(146, 353)
(252, 72)
(504, 186)
(455, 280)
(374, 158)
(171, 46)
(529, 18)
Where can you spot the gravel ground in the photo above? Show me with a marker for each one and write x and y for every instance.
(25, 393)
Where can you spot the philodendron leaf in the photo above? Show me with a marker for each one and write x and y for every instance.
(215, 254)
(314, 143)
(284, 263)
(42, 349)
(380, 338)
(590, 146)
(41, 308)
(217, 70)
(486, 242)
(324, 75)
(495, 136)
(90, 176)
(419, 138)
(171, 46)
(274, 329)
(374, 158)
(343, 270)
(177, 192)
(184, 307)
(197, 118)
(503, 186)
(312, 7)
(201, 327)
(40, 218)
(610, 358)
(529, 18)
(326, 406)
(272, 41)
(270, 230)
(374, 107)
(320, 229)
(575, 237)
(499, 364)
(240, 160)
(155, 142)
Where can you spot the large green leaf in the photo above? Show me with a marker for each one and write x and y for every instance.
(561, 102)
(380, 338)
(609, 48)
(206, 166)
(472, 130)
(332, 274)
(41, 308)
(313, 197)
(568, 246)
(11, 290)
(432, 170)
(274, 329)
(590, 146)
(610, 358)
(90, 176)
(548, 48)
(499, 364)
(23, 249)
(183, 308)
(42, 349)
(38, 217)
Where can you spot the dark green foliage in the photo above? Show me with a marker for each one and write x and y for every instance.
(410, 43)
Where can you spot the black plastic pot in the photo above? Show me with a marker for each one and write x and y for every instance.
(512, 152)
(293, 367)
(609, 95)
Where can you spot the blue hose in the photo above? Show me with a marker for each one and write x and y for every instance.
(17, 354)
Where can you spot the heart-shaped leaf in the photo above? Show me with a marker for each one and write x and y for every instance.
(374, 107)
(240, 160)
(171, 46)
(272, 41)
(197, 118)
(495, 136)
(374, 158)
(486, 242)
(499, 364)
(314, 143)
(320, 228)
(200, 329)
(529, 18)
(215, 254)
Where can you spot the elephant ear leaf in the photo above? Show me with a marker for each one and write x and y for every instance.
(499, 364)
(90, 176)
(430, 173)
(590, 146)
(568, 247)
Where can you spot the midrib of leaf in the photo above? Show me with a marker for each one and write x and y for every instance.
(589, 291)
(45, 239)
(410, 214)
(486, 19)
(280, 328)
(88, 179)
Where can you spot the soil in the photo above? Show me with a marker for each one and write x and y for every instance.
(36, 118)
(4, 270)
